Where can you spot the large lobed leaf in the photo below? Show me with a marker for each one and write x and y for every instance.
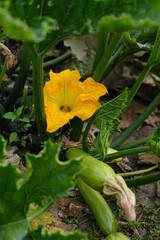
(40, 235)
(54, 20)
(45, 180)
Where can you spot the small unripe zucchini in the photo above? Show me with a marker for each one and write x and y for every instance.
(117, 236)
(95, 171)
(111, 150)
(101, 177)
(99, 207)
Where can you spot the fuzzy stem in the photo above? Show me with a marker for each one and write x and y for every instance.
(106, 57)
(20, 81)
(103, 39)
(138, 83)
(77, 129)
(38, 83)
(129, 174)
(134, 143)
(85, 137)
(124, 135)
(126, 152)
(143, 180)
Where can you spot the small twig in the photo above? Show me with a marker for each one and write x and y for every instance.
(140, 217)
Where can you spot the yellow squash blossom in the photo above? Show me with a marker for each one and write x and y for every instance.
(66, 97)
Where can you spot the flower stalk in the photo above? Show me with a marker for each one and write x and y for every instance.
(38, 83)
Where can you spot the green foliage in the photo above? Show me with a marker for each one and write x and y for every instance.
(13, 137)
(106, 118)
(154, 143)
(14, 115)
(38, 21)
(16, 19)
(45, 179)
(3, 152)
(40, 235)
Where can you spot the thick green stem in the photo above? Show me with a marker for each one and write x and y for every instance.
(129, 174)
(51, 62)
(121, 54)
(77, 129)
(143, 180)
(97, 75)
(134, 143)
(103, 40)
(126, 152)
(123, 136)
(85, 137)
(138, 83)
(20, 81)
(38, 83)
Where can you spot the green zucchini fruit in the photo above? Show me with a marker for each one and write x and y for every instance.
(117, 236)
(99, 207)
(95, 172)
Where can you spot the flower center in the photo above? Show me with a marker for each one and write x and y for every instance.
(65, 108)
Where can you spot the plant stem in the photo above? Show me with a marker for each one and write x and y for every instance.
(50, 62)
(97, 75)
(126, 152)
(1, 80)
(138, 83)
(77, 129)
(38, 83)
(20, 81)
(134, 143)
(129, 174)
(143, 180)
(103, 40)
(123, 136)
(85, 137)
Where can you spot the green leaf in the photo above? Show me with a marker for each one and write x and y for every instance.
(106, 118)
(13, 137)
(155, 54)
(154, 143)
(10, 115)
(14, 18)
(3, 153)
(50, 178)
(13, 224)
(99, 147)
(88, 16)
(37, 20)
(45, 179)
(111, 111)
(40, 235)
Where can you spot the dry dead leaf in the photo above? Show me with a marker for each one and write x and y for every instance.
(124, 167)
(158, 188)
(12, 157)
(78, 47)
(149, 80)
(11, 60)
(131, 114)
(148, 158)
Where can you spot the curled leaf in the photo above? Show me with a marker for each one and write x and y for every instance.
(125, 197)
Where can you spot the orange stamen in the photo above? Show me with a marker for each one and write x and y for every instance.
(65, 107)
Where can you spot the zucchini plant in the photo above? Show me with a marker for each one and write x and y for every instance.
(123, 28)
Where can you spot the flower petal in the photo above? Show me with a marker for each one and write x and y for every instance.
(55, 117)
(84, 107)
(93, 88)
